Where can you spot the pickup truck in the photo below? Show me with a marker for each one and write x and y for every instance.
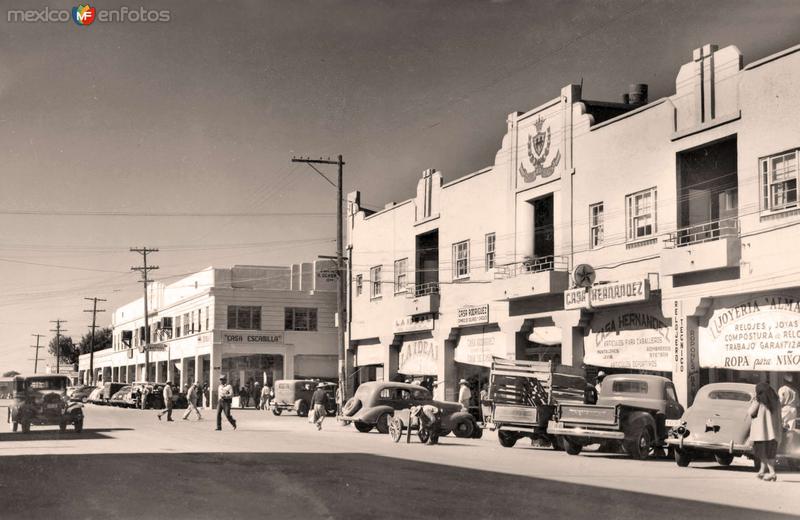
(524, 395)
(632, 410)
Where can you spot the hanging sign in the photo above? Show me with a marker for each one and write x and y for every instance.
(638, 339)
(419, 358)
(472, 315)
(758, 334)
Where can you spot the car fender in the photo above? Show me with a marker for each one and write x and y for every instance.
(75, 409)
(449, 421)
(640, 417)
(370, 415)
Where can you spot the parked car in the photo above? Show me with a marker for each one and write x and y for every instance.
(80, 393)
(155, 396)
(718, 425)
(123, 397)
(96, 396)
(374, 403)
(295, 395)
(633, 411)
(42, 400)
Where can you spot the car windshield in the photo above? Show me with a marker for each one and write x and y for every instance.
(729, 395)
(629, 387)
(47, 384)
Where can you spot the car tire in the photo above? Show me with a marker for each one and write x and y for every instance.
(682, 457)
(14, 426)
(555, 444)
(478, 433)
(351, 406)
(572, 448)
(464, 429)
(302, 408)
(445, 433)
(62, 426)
(276, 411)
(396, 429)
(640, 443)
(382, 424)
(362, 426)
(423, 435)
(507, 439)
(723, 459)
(26, 426)
(78, 425)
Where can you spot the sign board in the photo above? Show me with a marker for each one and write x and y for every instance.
(619, 292)
(251, 338)
(409, 324)
(472, 315)
(419, 358)
(156, 347)
(637, 339)
(761, 333)
(478, 349)
(369, 355)
(576, 298)
(325, 275)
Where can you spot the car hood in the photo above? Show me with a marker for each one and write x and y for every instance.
(720, 424)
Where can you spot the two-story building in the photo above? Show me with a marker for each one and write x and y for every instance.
(251, 323)
(629, 236)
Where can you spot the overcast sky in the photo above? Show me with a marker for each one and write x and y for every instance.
(107, 131)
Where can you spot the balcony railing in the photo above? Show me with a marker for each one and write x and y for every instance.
(706, 232)
(532, 265)
(422, 289)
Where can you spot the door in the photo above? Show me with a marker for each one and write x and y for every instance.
(543, 239)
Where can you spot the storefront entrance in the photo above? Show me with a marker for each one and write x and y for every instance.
(264, 368)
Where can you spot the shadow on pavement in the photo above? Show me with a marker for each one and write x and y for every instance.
(305, 486)
(52, 435)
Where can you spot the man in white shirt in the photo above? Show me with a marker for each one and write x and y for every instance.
(191, 396)
(225, 393)
(464, 394)
(167, 402)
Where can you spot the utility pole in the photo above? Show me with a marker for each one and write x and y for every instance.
(144, 269)
(58, 330)
(340, 270)
(94, 310)
(37, 347)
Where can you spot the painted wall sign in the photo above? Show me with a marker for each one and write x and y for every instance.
(472, 315)
(576, 298)
(638, 339)
(478, 349)
(419, 358)
(538, 151)
(758, 334)
(408, 324)
(619, 292)
(325, 275)
(251, 338)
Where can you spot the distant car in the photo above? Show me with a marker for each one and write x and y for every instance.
(80, 393)
(718, 425)
(123, 397)
(96, 396)
(375, 403)
(295, 395)
(42, 400)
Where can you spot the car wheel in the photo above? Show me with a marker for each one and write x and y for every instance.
(571, 447)
(396, 429)
(478, 433)
(351, 406)
(723, 459)
(78, 425)
(276, 411)
(464, 429)
(445, 433)
(423, 435)
(26, 426)
(62, 426)
(362, 426)
(638, 447)
(382, 424)
(682, 457)
(507, 439)
(555, 444)
(302, 409)
(14, 426)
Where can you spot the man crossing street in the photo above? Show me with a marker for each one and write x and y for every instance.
(225, 393)
(167, 402)
(191, 396)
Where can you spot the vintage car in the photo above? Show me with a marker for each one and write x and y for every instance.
(633, 411)
(96, 396)
(718, 425)
(80, 394)
(375, 403)
(42, 400)
(295, 395)
(123, 397)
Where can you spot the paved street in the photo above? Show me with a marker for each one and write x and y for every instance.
(127, 464)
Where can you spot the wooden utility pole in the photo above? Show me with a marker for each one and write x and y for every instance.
(340, 268)
(94, 310)
(144, 269)
(37, 347)
(58, 330)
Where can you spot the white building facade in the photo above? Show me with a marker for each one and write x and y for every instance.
(658, 237)
(251, 323)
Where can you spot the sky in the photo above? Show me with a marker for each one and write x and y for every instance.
(179, 135)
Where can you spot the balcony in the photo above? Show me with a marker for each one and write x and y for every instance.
(702, 247)
(531, 277)
(422, 298)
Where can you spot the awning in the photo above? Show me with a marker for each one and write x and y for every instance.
(546, 335)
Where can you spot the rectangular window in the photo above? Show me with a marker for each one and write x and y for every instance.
(400, 272)
(199, 320)
(300, 318)
(596, 224)
(177, 326)
(640, 210)
(461, 260)
(779, 176)
(244, 318)
(186, 329)
(359, 284)
(207, 320)
(490, 250)
(375, 282)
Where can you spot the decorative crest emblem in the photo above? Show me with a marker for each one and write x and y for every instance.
(538, 150)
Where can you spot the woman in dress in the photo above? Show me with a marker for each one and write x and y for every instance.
(765, 429)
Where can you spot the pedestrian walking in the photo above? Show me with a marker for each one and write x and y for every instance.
(242, 397)
(319, 405)
(765, 429)
(192, 395)
(265, 394)
(257, 395)
(225, 393)
(464, 394)
(206, 395)
(145, 396)
(167, 402)
(787, 394)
